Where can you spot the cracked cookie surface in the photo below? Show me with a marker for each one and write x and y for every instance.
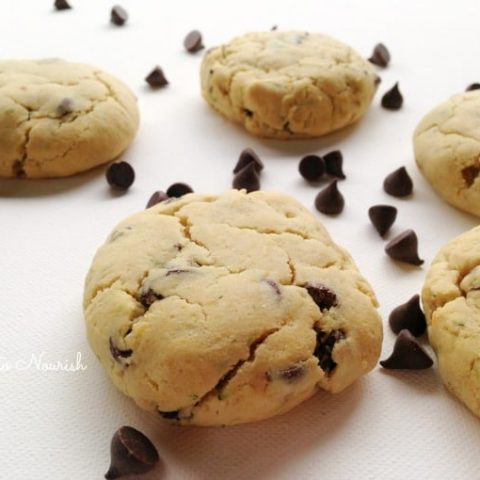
(218, 310)
(288, 84)
(447, 150)
(59, 118)
(451, 300)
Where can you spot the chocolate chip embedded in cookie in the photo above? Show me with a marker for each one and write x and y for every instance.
(217, 310)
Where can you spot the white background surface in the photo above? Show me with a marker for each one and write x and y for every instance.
(58, 425)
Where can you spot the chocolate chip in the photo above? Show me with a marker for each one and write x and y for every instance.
(193, 41)
(398, 183)
(312, 168)
(380, 55)
(329, 200)
(322, 295)
(382, 217)
(172, 415)
(149, 296)
(248, 112)
(324, 348)
(156, 78)
(334, 164)
(175, 271)
(473, 86)
(65, 106)
(408, 316)
(118, 15)
(179, 189)
(120, 175)
(470, 173)
(62, 5)
(404, 247)
(274, 285)
(247, 178)
(156, 197)
(407, 354)
(393, 99)
(293, 373)
(116, 353)
(378, 80)
(275, 27)
(131, 453)
(248, 155)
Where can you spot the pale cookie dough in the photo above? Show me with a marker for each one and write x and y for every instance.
(59, 118)
(202, 309)
(288, 84)
(447, 150)
(451, 300)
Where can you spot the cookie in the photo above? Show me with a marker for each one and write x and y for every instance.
(288, 84)
(447, 150)
(451, 300)
(59, 118)
(218, 310)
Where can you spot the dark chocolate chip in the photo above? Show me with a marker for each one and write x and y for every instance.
(156, 78)
(380, 55)
(274, 285)
(193, 41)
(398, 183)
(393, 99)
(382, 217)
(378, 80)
(324, 348)
(62, 5)
(131, 453)
(407, 354)
(334, 164)
(172, 415)
(120, 175)
(473, 86)
(149, 296)
(470, 173)
(322, 295)
(65, 107)
(118, 15)
(156, 197)
(312, 168)
(329, 200)
(404, 247)
(117, 354)
(410, 316)
(293, 373)
(248, 155)
(179, 189)
(247, 178)
(248, 112)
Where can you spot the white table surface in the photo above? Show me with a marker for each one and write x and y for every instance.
(58, 424)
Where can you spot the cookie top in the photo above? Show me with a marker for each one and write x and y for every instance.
(451, 300)
(288, 84)
(59, 118)
(447, 150)
(217, 310)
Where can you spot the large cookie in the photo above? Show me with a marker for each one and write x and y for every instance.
(451, 299)
(59, 118)
(447, 150)
(288, 84)
(217, 310)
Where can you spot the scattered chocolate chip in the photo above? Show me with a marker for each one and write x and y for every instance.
(322, 295)
(193, 41)
(247, 178)
(329, 200)
(324, 348)
(120, 175)
(382, 217)
(473, 86)
(378, 80)
(65, 106)
(156, 197)
(173, 415)
(62, 5)
(131, 453)
(404, 247)
(156, 78)
(118, 15)
(312, 168)
(293, 373)
(380, 55)
(116, 352)
(408, 316)
(179, 189)
(248, 155)
(334, 164)
(407, 354)
(393, 99)
(398, 183)
(470, 173)
(274, 285)
(149, 296)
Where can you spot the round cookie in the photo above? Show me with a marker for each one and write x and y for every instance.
(451, 300)
(59, 118)
(447, 150)
(218, 310)
(288, 84)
